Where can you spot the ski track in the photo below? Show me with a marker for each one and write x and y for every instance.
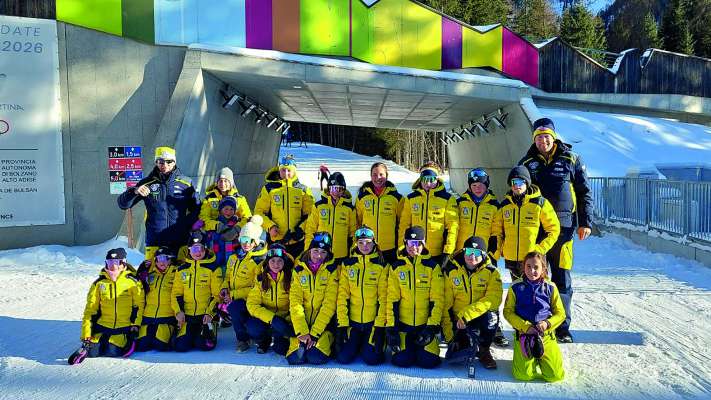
(641, 323)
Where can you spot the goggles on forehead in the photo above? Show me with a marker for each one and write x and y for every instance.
(287, 162)
(414, 242)
(163, 258)
(478, 175)
(113, 264)
(518, 182)
(275, 253)
(428, 179)
(470, 251)
(245, 240)
(364, 233)
(322, 237)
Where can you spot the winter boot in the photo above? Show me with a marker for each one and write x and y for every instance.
(263, 346)
(485, 358)
(499, 338)
(242, 346)
(564, 336)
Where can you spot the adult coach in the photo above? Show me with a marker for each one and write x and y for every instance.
(560, 174)
(172, 204)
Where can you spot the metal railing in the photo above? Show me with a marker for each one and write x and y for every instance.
(680, 208)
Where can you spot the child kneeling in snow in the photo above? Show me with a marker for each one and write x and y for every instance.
(534, 309)
(114, 307)
(158, 325)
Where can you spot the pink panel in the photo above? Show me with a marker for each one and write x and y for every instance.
(520, 58)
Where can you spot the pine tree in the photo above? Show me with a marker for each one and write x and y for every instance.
(699, 18)
(649, 37)
(474, 12)
(535, 20)
(625, 28)
(676, 35)
(580, 28)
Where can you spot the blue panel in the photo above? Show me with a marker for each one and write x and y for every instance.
(223, 25)
(176, 21)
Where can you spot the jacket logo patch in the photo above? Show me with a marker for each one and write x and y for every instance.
(367, 204)
(154, 187)
(304, 279)
(277, 198)
(215, 205)
(456, 281)
(102, 288)
(533, 165)
(507, 214)
(324, 212)
(351, 273)
(184, 275)
(465, 211)
(151, 278)
(402, 275)
(415, 207)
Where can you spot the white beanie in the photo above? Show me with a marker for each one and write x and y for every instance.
(253, 228)
(226, 173)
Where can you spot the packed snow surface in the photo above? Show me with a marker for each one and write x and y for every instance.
(640, 320)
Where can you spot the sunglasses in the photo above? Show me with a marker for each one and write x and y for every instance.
(414, 243)
(275, 253)
(364, 233)
(162, 161)
(470, 251)
(518, 182)
(322, 237)
(163, 258)
(113, 264)
(428, 179)
(245, 240)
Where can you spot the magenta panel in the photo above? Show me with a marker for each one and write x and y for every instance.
(520, 58)
(258, 15)
(451, 44)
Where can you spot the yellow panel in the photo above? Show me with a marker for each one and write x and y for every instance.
(101, 15)
(482, 49)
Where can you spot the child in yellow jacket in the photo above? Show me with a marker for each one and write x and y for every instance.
(159, 326)
(312, 302)
(534, 309)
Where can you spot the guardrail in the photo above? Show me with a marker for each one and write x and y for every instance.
(680, 208)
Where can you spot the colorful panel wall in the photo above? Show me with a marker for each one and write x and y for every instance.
(137, 20)
(286, 25)
(482, 49)
(100, 15)
(325, 27)
(200, 21)
(520, 58)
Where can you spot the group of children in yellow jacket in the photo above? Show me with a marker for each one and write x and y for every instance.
(388, 271)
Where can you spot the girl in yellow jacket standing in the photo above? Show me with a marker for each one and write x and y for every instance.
(415, 304)
(534, 309)
(477, 209)
(158, 328)
(472, 293)
(434, 209)
(335, 214)
(113, 312)
(520, 217)
(242, 270)
(312, 302)
(209, 210)
(362, 298)
(268, 302)
(378, 206)
(196, 292)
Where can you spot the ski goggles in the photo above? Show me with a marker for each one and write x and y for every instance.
(196, 248)
(276, 253)
(337, 189)
(470, 251)
(364, 233)
(478, 175)
(113, 264)
(322, 237)
(163, 258)
(164, 161)
(287, 162)
(414, 243)
(518, 182)
(245, 240)
(428, 179)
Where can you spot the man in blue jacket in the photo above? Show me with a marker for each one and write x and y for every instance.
(560, 175)
(172, 204)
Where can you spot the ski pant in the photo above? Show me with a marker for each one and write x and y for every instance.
(238, 313)
(410, 353)
(479, 331)
(317, 354)
(156, 334)
(365, 340)
(550, 365)
(262, 332)
(109, 342)
(189, 336)
(560, 260)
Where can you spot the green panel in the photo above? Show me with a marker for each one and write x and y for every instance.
(138, 20)
(406, 34)
(363, 32)
(482, 49)
(325, 27)
(101, 15)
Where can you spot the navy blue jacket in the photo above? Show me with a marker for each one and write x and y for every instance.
(564, 182)
(533, 299)
(172, 207)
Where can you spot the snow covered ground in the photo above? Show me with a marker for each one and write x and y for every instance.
(611, 144)
(641, 323)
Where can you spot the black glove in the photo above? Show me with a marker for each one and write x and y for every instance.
(281, 327)
(393, 339)
(298, 234)
(426, 335)
(341, 335)
(378, 335)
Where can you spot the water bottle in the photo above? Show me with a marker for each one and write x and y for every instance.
(471, 367)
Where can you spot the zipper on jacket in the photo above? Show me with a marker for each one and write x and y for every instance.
(312, 287)
(192, 280)
(160, 287)
(377, 218)
(518, 230)
(414, 291)
(285, 204)
(115, 294)
(476, 219)
(426, 211)
(362, 294)
(332, 220)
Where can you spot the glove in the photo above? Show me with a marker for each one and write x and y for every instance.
(393, 339)
(426, 335)
(220, 226)
(378, 338)
(281, 327)
(230, 234)
(341, 335)
(298, 234)
(199, 224)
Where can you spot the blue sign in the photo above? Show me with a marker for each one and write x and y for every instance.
(134, 175)
(132, 152)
